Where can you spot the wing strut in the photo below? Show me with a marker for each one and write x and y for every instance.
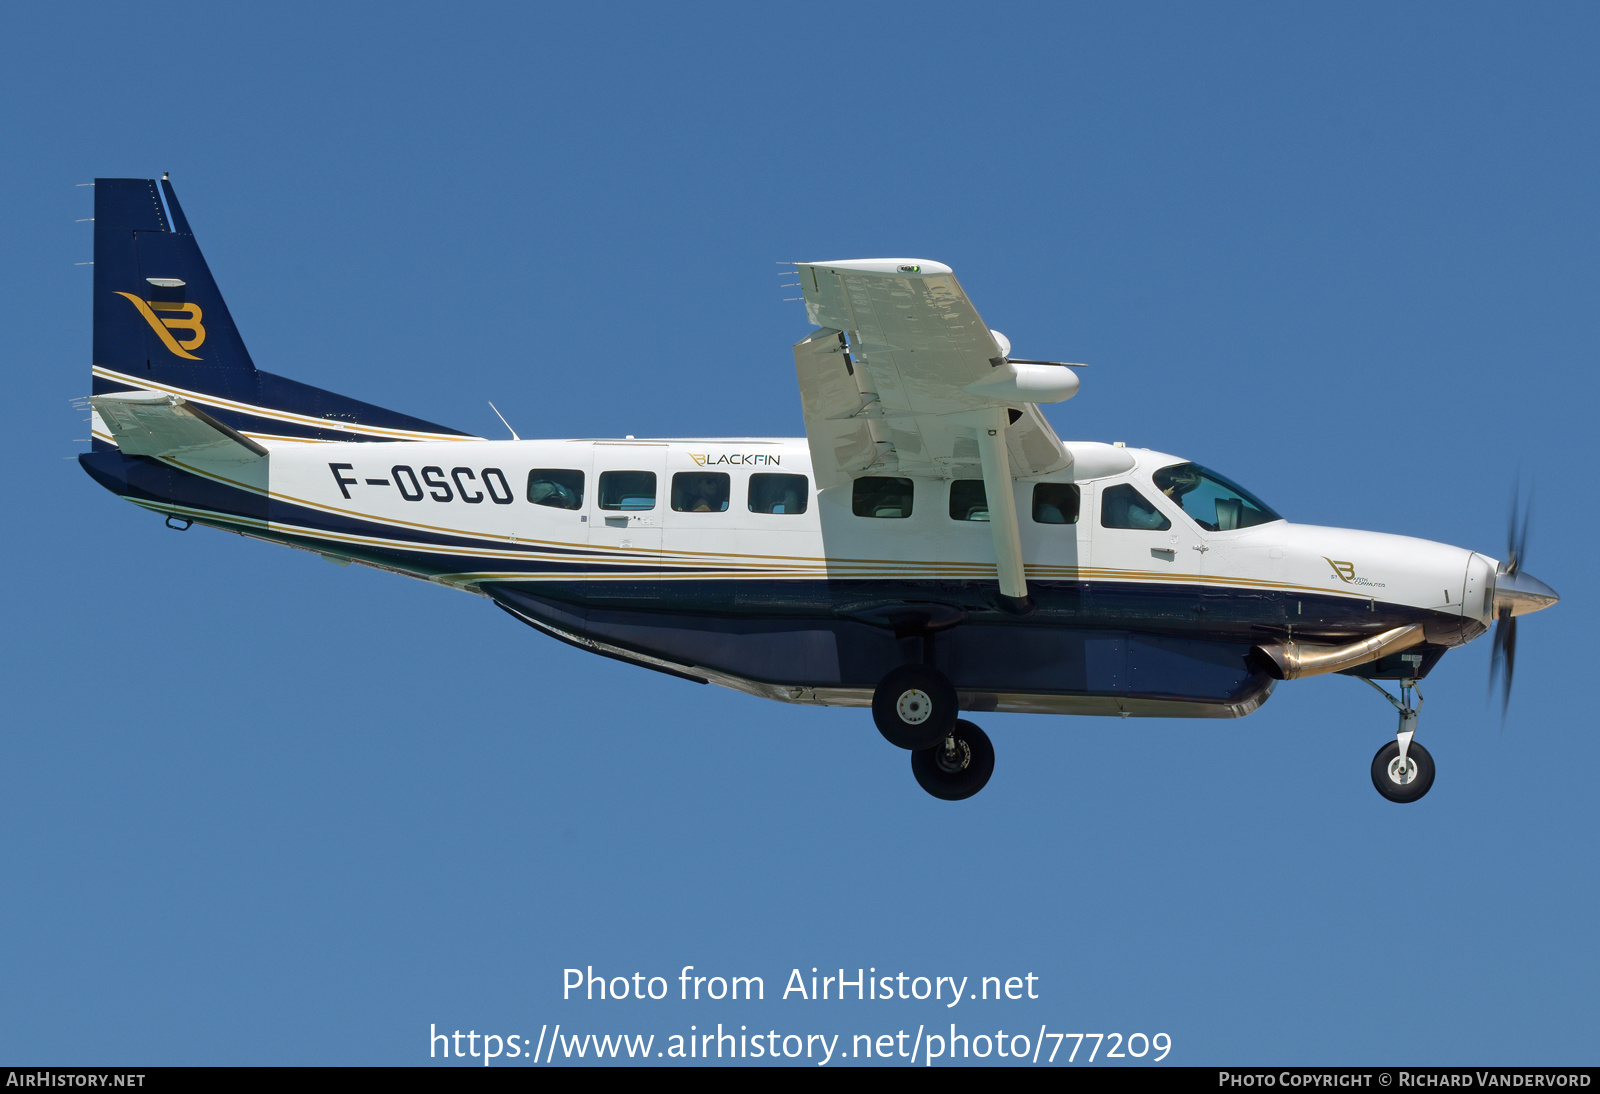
(990, 426)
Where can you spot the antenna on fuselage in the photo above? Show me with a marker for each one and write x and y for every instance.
(503, 421)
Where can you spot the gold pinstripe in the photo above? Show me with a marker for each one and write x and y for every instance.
(275, 415)
(975, 571)
(706, 565)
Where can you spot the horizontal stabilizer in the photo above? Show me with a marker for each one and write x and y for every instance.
(154, 423)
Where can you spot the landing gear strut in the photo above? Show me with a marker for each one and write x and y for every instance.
(1403, 770)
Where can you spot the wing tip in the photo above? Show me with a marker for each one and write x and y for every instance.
(903, 267)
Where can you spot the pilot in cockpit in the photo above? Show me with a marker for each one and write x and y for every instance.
(1175, 482)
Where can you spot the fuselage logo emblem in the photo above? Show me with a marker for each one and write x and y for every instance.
(1346, 572)
(163, 325)
(745, 458)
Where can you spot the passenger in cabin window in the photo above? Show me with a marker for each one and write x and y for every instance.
(703, 496)
(551, 493)
(558, 488)
(702, 493)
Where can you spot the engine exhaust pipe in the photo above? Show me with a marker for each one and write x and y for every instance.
(1290, 660)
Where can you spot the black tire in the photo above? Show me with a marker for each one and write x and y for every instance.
(914, 706)
(1396, 791)
(961, 773)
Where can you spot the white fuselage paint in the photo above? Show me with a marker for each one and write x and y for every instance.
(828, 540)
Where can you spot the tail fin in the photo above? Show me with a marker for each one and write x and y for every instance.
(160, 323)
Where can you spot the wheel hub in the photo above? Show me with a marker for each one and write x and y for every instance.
(1402, 777)
(914, 707)
(953, 756)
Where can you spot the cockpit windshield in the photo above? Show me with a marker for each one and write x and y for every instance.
(1210, 500)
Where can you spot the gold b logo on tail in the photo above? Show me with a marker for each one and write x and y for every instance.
(163, 326)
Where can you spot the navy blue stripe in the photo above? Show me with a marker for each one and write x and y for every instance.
(145, 479)
(774, 628)
(280, 395)
(998, 656)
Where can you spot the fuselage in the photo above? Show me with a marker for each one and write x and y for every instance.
(720, 560)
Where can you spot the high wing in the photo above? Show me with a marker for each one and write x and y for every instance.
(905, 378)
(898, 394)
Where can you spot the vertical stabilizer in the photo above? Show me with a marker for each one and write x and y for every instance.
(160, 323)
(158, 314)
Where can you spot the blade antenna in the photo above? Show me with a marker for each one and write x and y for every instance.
(503, 421)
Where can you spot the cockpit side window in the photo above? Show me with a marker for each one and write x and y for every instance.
(1210, 500)
(1124, 507)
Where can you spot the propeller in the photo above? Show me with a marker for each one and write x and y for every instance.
(1503, 658)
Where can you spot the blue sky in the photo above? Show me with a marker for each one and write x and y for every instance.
(259, 809)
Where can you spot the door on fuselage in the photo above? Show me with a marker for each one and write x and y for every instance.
(1134, 534)
(624, 508)
(1238, 557)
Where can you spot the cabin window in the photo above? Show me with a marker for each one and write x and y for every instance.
(700, 492)
(881, 497)
(967, 500)
(1055, 503)
(628, 490)
(786, 494)
(556, 487)
(1210, 500)
(1124, 507)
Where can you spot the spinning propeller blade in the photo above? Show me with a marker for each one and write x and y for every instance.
(1517, 533)
(1503, 658)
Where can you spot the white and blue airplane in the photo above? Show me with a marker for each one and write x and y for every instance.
(930, 547)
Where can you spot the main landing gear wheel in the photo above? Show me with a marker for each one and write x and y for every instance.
(914, 706)
(1407, 784)
(958, 766)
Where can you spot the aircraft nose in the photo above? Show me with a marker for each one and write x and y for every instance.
(1522, 593)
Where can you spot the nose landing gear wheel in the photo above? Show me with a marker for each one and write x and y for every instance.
(914, 706)
(1402, 785)
(958, 766)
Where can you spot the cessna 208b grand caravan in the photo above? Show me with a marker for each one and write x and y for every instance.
(930, 547)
